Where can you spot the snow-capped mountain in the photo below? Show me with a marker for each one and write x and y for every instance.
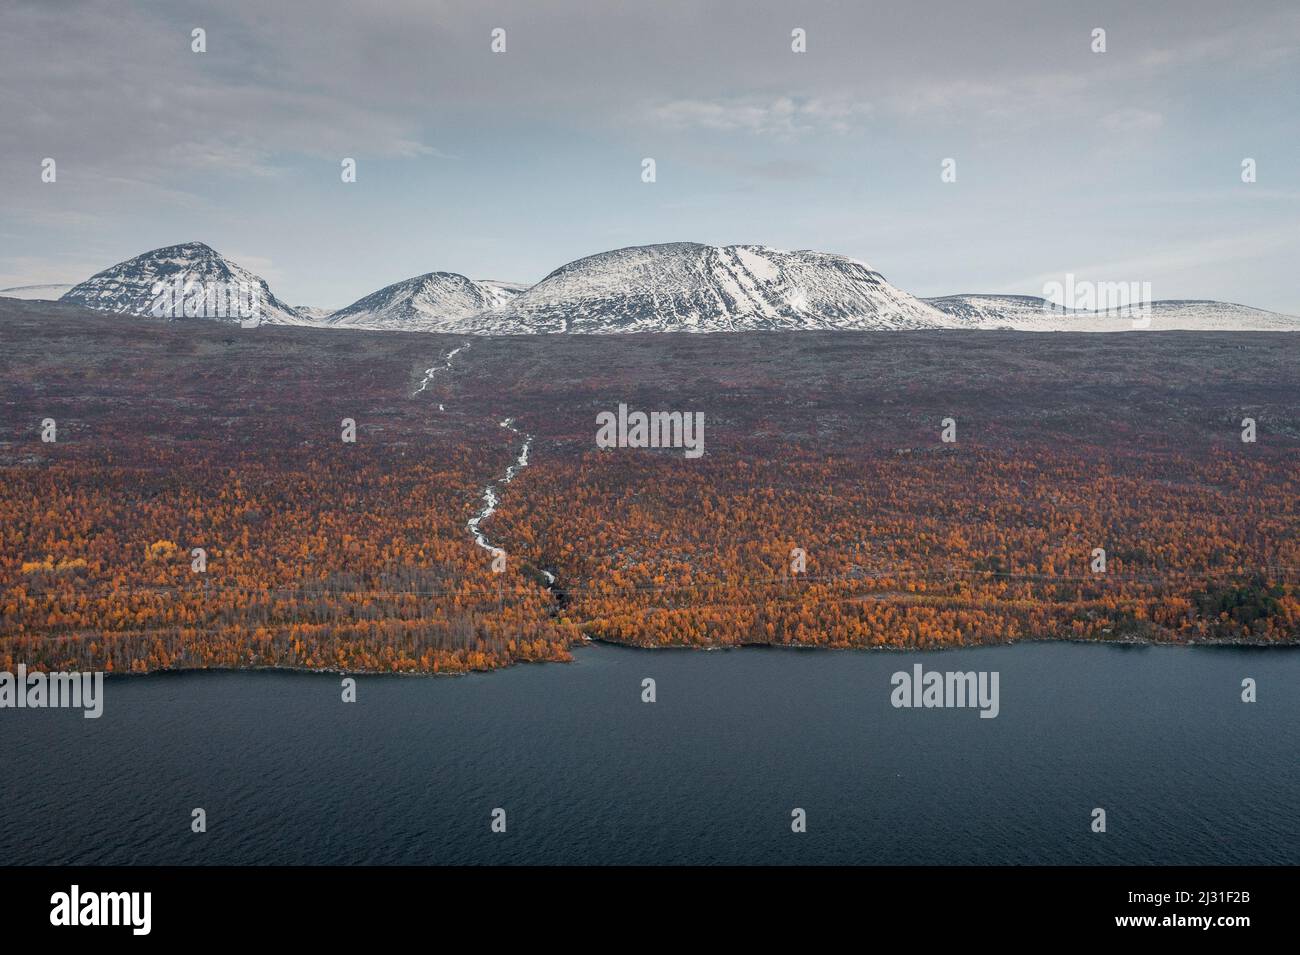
(132, 287)
(685, 286)
(1032, 314)
(679, 286)
(433, 302)
(47, 293)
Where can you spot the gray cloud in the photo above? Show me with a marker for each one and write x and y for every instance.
(136, 120)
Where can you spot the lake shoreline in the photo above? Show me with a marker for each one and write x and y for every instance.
(1127, 644)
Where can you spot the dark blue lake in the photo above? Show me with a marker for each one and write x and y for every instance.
(588, 773)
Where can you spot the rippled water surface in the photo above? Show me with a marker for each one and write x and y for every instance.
(586, 772)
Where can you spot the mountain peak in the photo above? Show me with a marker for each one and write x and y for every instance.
(689, 286)
(434, 301)
(185, 248)
(130, 287)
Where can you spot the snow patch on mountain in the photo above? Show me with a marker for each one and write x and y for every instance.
(128, 288)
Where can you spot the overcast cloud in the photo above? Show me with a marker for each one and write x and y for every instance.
(1119, 166)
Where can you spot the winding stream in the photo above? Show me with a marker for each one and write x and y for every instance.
(490, 498)
(445, 366)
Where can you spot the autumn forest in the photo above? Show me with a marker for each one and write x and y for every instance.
(180, 495)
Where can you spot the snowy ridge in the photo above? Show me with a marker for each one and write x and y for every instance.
(1029, 313)
(678, 286)
(685, 286)
(128, 287)
(433, 302)
(44, 293)
(315, 315)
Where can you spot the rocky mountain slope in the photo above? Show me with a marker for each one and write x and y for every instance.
(685, 286)
(132, 287)
(433, 302)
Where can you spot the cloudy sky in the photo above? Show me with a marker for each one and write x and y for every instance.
(1116, 166)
